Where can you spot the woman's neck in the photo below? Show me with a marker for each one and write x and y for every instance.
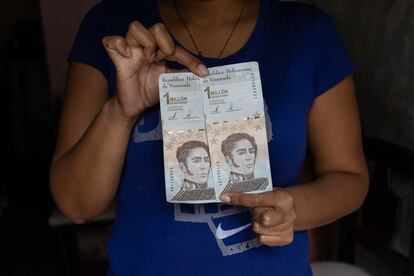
(205, 13)
(209, 24)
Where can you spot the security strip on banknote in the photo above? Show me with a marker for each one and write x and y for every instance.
(214, 134)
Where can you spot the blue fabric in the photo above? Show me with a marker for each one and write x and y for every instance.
(301, 56)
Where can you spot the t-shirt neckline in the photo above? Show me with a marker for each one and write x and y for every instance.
(247, 51)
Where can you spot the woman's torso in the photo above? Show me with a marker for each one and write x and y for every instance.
(153, 237)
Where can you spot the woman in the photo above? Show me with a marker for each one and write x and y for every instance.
(110, 139)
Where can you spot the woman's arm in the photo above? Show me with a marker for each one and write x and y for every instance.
(341, 185)
(94, 130)
(335, 144)
(91, 145)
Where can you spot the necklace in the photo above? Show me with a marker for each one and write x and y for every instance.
(192, 38)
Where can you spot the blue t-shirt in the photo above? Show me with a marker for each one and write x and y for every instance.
(300, 56)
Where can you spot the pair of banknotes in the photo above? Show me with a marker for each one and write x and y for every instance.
(214, 134)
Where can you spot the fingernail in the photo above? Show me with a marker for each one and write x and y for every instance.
(225, 198)
(262, 239)
(203, 69)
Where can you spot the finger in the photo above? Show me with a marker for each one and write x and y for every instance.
(272, 217)
(171, 70)
(259, 230)
(249, 200)
(279, 240)
(257, 213)
(188, 60)
(164, 41)
(116, 45)
(139, 36)
(270, 231)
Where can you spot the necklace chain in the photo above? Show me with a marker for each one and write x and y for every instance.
(192, 38)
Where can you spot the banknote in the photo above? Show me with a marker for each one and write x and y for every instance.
(214, 134)
(236, 128)
(187, 164)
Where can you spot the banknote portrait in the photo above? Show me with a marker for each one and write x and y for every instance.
(194, 161)
(240, 151)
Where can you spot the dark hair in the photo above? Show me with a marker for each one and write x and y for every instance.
(184, 150)
(228, 144)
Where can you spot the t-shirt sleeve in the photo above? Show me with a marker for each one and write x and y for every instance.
(88, 47)
(332, 61)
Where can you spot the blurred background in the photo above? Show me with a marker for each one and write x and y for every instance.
(35, 239)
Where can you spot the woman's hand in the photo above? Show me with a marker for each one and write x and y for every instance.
(139, 59)
(273, 214)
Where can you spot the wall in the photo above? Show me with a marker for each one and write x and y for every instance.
(380, 37)
(14, 11)
(61, 20)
